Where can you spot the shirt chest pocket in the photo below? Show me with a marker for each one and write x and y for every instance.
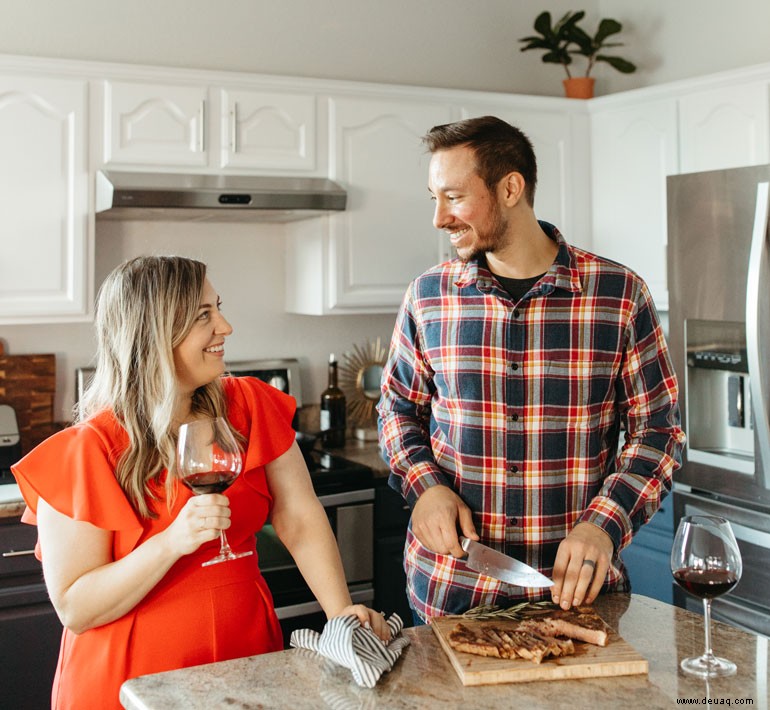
(578, 389)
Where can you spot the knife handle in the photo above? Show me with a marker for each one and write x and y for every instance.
(464, 542)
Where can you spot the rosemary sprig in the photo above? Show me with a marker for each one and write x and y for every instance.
(515, 612)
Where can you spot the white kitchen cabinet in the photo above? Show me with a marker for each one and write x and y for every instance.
(362, 260)
(174, 126)
(559, 136)
(161, 125)
(267, 130)
(44, 268)
(634, 148)
(725, 127)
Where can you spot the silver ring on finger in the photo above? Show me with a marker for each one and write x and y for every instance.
(590, 563)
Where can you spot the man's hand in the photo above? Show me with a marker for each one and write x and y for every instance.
(582, 561)
(435, 518)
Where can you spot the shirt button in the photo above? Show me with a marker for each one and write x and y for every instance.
(513, 521)
(514, 366)
(516, 312)
(514, 417)
(513, 468)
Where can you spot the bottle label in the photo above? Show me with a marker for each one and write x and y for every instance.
(326, 420)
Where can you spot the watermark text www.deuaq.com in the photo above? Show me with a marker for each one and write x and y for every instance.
(725, 702)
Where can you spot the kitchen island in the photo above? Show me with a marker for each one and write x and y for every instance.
(424, 678)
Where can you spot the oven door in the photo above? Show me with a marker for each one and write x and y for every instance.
(748, 604)
(351, 516)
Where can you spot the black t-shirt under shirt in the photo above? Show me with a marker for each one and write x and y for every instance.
(517, 287)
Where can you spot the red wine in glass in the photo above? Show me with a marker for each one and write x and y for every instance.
(705, 584)
(706, 562)
(208, 461)
(209, 482)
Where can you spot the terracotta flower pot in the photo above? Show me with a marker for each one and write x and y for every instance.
(579, 87)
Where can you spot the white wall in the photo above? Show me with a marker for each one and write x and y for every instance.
(681, 39)
(446, 43)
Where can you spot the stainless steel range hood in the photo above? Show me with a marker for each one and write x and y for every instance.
(134, 195)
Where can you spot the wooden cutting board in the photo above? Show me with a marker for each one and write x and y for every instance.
(28, 384)
(614, 659)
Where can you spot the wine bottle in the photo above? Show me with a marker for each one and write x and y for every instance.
(333, 410)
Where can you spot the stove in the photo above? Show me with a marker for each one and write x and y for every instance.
(333, 474)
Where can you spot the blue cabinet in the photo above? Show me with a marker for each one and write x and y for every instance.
(647, 558)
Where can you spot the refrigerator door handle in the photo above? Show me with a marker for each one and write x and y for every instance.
(758, 377)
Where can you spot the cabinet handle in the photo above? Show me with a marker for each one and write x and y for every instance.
(201, 129)
(234, 128)
(18, 553)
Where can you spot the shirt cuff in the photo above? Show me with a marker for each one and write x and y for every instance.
(610, 517)
(419, 479)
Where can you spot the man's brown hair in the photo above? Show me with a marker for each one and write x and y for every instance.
(499, 147)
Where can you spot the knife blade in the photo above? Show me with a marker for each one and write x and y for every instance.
(492, 563)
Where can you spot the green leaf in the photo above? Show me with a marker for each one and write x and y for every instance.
(569, 21)
(543, 23)
(607, 27)
(557, 57)
(536, 43)
(621, 65)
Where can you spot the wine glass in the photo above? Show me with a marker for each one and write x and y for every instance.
(706, 562)
(208, 461)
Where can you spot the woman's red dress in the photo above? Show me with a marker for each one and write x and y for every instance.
(195, 614)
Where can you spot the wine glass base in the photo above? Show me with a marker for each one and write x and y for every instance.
(226, 558)
(708, 666)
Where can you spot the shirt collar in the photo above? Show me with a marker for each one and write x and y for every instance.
(563, 273)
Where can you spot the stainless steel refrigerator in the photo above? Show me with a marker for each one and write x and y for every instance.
(719, 336)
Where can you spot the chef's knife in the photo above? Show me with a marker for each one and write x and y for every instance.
(495, 564)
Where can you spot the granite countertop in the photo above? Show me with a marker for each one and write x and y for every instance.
(424, 678)
(11, 503)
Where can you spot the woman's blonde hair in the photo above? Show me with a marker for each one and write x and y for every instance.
(145, 308)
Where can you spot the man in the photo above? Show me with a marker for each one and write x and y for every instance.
(511, 371)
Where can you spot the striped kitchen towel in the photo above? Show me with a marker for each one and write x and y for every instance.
(349, 644)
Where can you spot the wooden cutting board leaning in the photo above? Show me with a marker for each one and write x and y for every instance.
(28, 384)
(589, 661)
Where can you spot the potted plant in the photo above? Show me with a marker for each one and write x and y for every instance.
(566, 38)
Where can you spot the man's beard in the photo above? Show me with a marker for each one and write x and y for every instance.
(490, 241)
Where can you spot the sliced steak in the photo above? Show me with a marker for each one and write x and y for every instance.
(581, 623)
(507, 641)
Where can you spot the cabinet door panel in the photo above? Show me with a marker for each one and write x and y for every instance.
(29, 649)
(267, 130)
(385, 238)
(155, 124)
(43, 198)
(725, 128)
(633, 150)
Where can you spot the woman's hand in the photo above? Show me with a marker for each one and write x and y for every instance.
(199, 521)
(370, 619)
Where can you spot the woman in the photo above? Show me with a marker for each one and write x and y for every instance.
(121, 541)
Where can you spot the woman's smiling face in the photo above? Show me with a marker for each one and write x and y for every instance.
(199, 358)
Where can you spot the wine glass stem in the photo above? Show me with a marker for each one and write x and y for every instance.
(707, 624)
(224, 546)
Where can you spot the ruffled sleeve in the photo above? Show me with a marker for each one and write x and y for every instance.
(74, 472)
(263, 414)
